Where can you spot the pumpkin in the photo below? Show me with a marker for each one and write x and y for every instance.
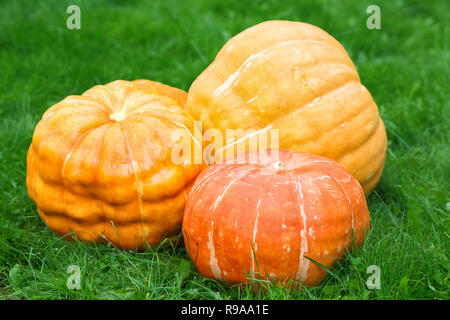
(296, 78)
(100, 167)
(270, 219)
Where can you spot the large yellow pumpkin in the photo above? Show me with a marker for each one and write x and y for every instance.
(297, 78)
(100, 165)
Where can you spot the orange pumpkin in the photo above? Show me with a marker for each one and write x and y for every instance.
(99, 165)
(267, 219)
(297, 78)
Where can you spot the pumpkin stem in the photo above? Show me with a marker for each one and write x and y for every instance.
(278, 166)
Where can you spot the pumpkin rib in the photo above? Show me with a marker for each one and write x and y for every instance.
(232, 77)
(97, 197)
(372, 182)
(376, 172)
(163, 117)
(97, 89)
(183, 126)
(303, 266)
(88, 102)
(174, 123)
(211, 121)
(50, 115)
(78, 141)
(331, 132)
(320, 94)
(319, 135)
(82, 228)
(214, 264)
(254, 247)
(343, 190)
(338, 47)
(178, 95)
(325, 43)
(160, 137)
(139, 110)
(138, 183)
(366, 140)
(105, 218)
(380, 152)
(311, 102)
(361, 143)
(329, 175)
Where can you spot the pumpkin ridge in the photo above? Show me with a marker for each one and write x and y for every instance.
(234, 75)
(329, 132)
(302, 271)
(316, 95)
(317, 136)
(76, 144)
(83, 223)
(88, 102)
(138, 110)
(254, 246)
(335, 45)
(64, 105)
(160, 137)
(362, 142)
(165, 118)
(138, 183)
(380, 166)
(319, 94)
(188, 182)
(376, 157)
(344, 191)
(370, 183)
(330, 91)
(105, 91)
(177, 124)
(214, 263)
(104, 218)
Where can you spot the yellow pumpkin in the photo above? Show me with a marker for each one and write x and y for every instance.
(100, 164)
(296, 78)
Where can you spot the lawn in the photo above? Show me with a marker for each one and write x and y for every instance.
(405, 65)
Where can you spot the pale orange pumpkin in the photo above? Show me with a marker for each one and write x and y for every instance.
(99, 166)
(270, 219)
(297, 78)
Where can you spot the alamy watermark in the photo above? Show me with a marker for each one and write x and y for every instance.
(374, 280)
(74, 19)
(216, 145)
(74, 281)
(374, 20)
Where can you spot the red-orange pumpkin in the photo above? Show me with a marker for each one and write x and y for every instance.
(265, 219)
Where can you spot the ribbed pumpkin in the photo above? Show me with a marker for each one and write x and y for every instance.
(100, 166)
(267, 219)
(297, 78)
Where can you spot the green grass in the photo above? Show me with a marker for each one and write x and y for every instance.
(405, 65)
